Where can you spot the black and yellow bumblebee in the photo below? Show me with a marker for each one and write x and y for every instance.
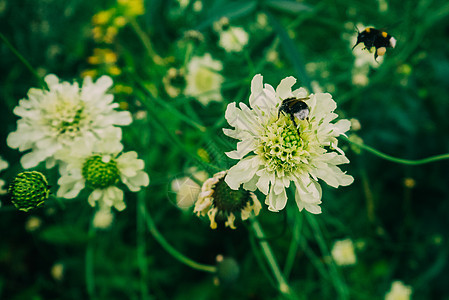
(295, 108)
(379, 39)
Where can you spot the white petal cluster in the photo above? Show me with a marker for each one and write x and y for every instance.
(187, 189)
(130, 171)
(399, 291)
(203, 79)
(233, 39)
(343, 252)
(272, 155)
(103, 218)
(3, 166)
(54, 119)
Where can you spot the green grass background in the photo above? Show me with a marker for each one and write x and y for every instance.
(404, 230)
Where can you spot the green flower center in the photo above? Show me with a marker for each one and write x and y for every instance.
(29, 190)
(100, 172)
(228, 200)
(71, 125)
(204, 79)
(65, 117)
(281, 147)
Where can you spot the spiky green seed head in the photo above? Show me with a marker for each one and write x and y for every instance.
(29, 190)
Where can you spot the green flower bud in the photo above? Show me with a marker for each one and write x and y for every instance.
(227, 270)
(29, 190)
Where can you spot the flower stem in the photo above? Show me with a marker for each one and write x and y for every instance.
(283, 286)
(22, 59)
(398, 160)
(89, 267)
(146, 42)
(335, 276)
(141, 250)
(169, 248)
(294, 245)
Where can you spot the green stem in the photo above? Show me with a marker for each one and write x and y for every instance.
(283, 286)
(146, 42)
(294, 245)
(148, 103)
(141, 247)
(335, 276)
(175, 140)
(89, 268)
(169, 248)
(22, 59)
(398, 160)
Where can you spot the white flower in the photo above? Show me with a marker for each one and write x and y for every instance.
(220, 24)
(233, 39)
(399, 291)
(360, 75)
(57, 271)
(103, 218)
(343, 253)
(187, 190)
(33, 223)
(203, 80)
(3, 166)
(271, 152)
(101, 167)
(52, 119)
(219, 202)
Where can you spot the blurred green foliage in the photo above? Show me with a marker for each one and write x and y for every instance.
(401, 231)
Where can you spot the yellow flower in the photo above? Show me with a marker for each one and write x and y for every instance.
(132, 8)
(102, 17)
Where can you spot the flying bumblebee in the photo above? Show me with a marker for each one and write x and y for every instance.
(379, 39)
(295, 108)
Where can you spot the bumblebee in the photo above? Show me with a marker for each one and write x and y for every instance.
(295, 108)
(379, 39)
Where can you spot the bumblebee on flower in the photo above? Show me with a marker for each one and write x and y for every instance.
(273, 152)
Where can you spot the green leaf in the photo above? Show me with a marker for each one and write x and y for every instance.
(292, 7)
(291, 51)
(230, 10)
(64, 235)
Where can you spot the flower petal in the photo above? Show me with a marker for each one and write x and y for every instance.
(242, 172)
(284, 89)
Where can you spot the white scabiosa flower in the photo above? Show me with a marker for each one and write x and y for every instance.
(399, 291)
(103, 218)
(57, 271)
(343, 253)
(221, 203)
(53, 119)
(274, 154)
(101, 167)
(3, 166)
(203, 79)
(233, 39)
(187, 189)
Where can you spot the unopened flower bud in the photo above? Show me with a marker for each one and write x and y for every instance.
(29, 190)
